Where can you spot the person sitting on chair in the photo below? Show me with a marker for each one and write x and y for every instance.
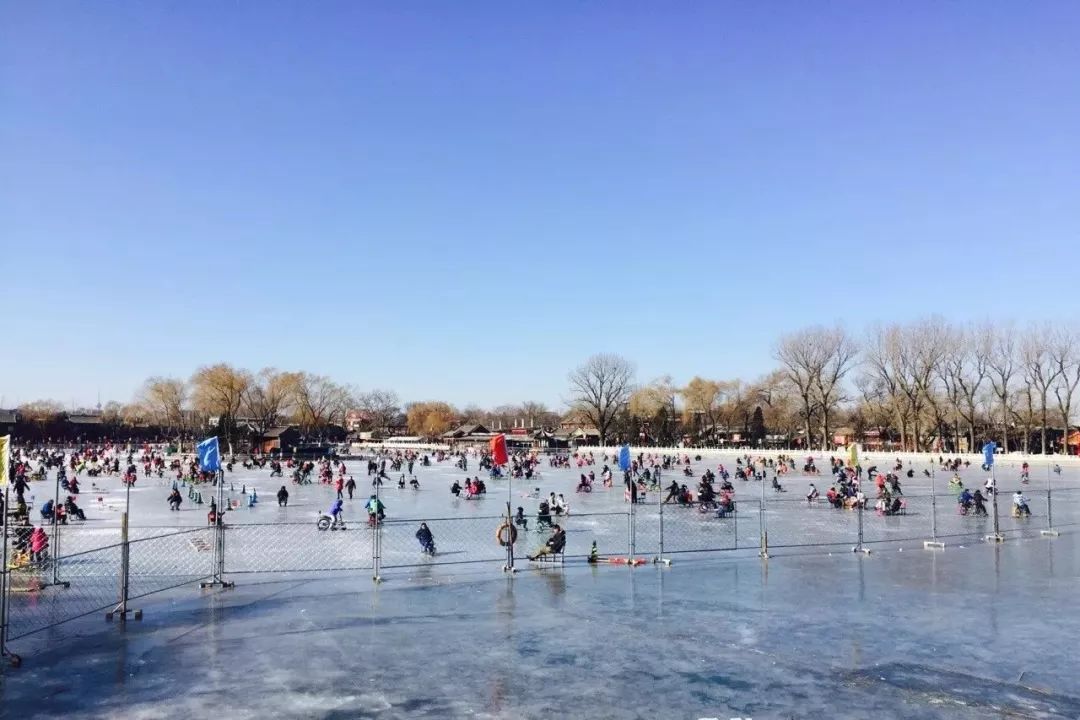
(554, 544)
(283, 497)
(706, 494)
(813, 494)
(427, 540)
(1020, 504)
(543, 516)
(73, 509)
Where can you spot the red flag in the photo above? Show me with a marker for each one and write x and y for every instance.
(498, 450)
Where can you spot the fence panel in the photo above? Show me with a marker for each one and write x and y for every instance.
(611, 531)
(689, 528)
(94, 586)
(457, 540)
(793, 522)
(912, 523)
(296, 547)
(162, 562)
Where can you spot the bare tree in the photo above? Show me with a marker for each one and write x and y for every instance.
(1025, 412)
(162, 401)
(841, 352)
(601, 388)
(381, 407)
(219, 390)
(965, 366)
(430, 419)
(1001, 365)
(320, 402)
(777, 399)
(816, 360)
(41, 413)
(270, 397)
(701, 404)
(538, 414)
(1040, 372)
(883, 360)
(1065, 356)
(801, 360)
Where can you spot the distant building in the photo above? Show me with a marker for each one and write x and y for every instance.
(283, 437)
(356, 419)
(8, 419)
(87, 426)
(468, 433)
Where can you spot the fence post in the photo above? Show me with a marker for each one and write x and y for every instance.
(5, 583)
(660, 541)
(1049, 531)
(376, 536)
(933, 542)
(997, 536)
(763, 529)
(218, 571)
(859, 547)
(125, 575)
(509, 566)
(735, 521)
(54, 549)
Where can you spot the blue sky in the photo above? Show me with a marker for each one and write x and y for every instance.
(462, 201)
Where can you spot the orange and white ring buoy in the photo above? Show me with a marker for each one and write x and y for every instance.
(506, 538)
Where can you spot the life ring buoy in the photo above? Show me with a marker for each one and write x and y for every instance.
(501, 536)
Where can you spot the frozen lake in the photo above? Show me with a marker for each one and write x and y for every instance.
(973, 632)
(267, 537)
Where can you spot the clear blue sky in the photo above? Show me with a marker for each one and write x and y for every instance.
(462, 201)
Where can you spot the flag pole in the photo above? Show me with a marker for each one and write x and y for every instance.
(209, 456)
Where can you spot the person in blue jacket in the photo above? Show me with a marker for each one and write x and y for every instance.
(335, 512)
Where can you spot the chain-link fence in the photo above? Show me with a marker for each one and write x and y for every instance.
(88, 582)
(93, 569)
(296, 548)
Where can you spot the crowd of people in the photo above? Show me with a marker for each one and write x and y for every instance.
(708, 489)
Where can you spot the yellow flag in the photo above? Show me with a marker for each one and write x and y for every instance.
(853, 454)
(5, 457)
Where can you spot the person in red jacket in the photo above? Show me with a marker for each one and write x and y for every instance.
(39, 544)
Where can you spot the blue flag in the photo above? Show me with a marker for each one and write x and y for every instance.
(209, 455)
(624, 458)
(988, 454)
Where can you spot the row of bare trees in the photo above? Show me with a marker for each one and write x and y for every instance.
(604, 396)
(931, 383)
(936, 380)
(261, 399)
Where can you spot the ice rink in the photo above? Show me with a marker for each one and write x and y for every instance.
(974, 631)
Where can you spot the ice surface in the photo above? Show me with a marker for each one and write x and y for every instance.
(972, 632)
(788, 512)
(978, 632)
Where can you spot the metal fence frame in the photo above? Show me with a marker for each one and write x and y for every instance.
(107, 577)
